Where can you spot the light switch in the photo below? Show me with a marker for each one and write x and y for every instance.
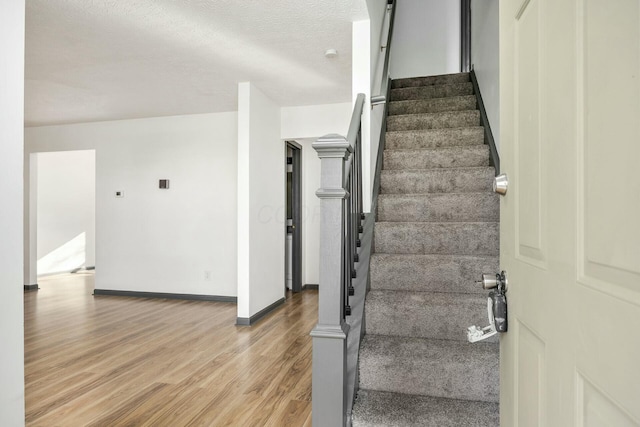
(164, 184)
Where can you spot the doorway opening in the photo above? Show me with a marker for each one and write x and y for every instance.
(293, 238)
(65, 212)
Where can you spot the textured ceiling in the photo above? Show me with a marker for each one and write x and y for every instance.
(91, 60)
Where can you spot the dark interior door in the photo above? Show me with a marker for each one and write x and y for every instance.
(294, 210)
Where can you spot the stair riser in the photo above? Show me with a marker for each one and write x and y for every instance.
(436, 232)
(435, 105)
(457, 119)
(430, 274)
(437, 238)
(463, 207)
(444, 79)
(437, 91)
(434, 138)
(437, 181)
(383, 409)
(455, 157)
(426, 315)
(430, 368)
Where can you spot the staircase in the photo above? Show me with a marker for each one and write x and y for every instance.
(436, 232)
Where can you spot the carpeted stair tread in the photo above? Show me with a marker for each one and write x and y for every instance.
(447, 157)
(434, 138)
(433, 105)
(430, 367)
(459, 238)
(432, 91)
(441, 79)
(437, 180)
(435, 273)
(444, 316)
(436, 232)
(447, 119)
(386, 409)
(481, 206)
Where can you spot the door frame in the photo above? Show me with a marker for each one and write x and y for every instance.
(33, 229)
(296, 206)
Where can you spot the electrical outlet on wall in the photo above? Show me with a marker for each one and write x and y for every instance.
(207, 275)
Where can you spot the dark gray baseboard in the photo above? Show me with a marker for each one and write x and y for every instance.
(30, 288)
(248, 321)
(310, 286)
(164, 295)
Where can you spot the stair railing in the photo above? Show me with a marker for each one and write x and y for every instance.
(381, 98)
(334, 375)
(341, 217)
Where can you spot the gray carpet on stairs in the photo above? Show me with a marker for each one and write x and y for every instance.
(390, 312)
(439, 207)
(429, 367)
(436, 232)
(432, 91)
(430, 273)
(438, 180)
(449, 157)
(384, 409)
(446, 119)
(462, 238)
(433, 105)
(431, 80)
(434, 138)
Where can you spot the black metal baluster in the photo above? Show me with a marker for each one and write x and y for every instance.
(354, 230)
(358, 189)
(347, 252)
(359, 209)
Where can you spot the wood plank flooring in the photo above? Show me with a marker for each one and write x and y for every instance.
(115, 361)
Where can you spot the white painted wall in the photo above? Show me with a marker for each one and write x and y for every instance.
(485, 58)
(426, 38)
(261, 202)
(305, 125)
(379, 32)
(361, 83)
(314, 121)
(11, 212)
(377, 11)
(154, 240)
(138, 138)
(66, 210)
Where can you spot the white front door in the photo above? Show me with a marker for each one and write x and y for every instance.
(570, 222)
